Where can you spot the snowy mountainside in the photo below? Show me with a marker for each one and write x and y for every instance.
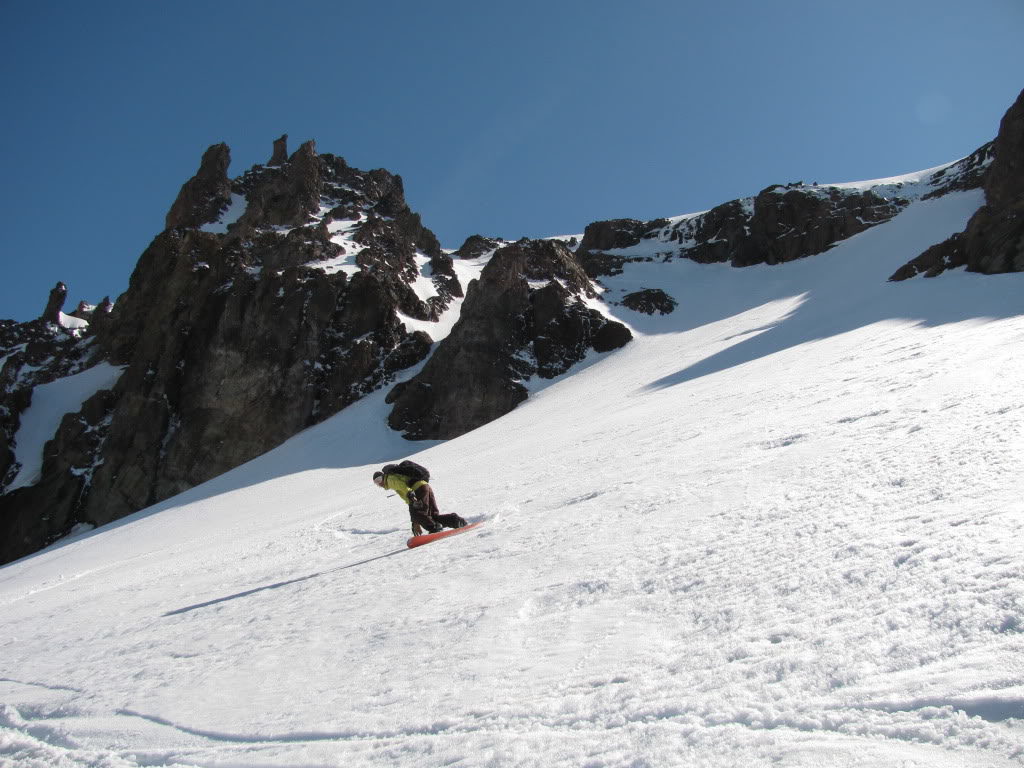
(780, 527)
(270, 302)
(274, 299)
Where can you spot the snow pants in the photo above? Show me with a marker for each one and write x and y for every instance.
(424, 512)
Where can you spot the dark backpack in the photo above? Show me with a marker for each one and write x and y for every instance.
(409, 469)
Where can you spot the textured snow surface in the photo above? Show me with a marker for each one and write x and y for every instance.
(782, 527)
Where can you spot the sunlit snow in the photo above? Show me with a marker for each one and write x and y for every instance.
(783, 526)
(231, 214)
(50, 403)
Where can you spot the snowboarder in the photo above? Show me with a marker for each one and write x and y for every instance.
(417, 493)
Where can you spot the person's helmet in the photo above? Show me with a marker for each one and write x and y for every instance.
(378, 478)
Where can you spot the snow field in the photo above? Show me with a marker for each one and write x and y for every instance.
(50, 402)
(781, 527)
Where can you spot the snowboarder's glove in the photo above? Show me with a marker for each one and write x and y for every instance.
(415, 503)
(416, 530)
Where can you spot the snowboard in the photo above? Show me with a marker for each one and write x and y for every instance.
(426, 538)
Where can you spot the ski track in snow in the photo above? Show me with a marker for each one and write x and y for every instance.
(782, 527)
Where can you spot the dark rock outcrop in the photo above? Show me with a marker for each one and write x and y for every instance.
(600, 237)
(780, 224)
(477, 246)
(783, 224)
(790, 224)
(34, 515)
(1004, 182)
(55, 303)
(967, 174)
(994, 239)
(649, 301)
(34, 354)
(280, 154)
(205, 195)
(613, 234)
(524, 317)
(285, 195)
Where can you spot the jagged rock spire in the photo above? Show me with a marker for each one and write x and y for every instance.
(280, 156)
(55, 303)
(205, 195)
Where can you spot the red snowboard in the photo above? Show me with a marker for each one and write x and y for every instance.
(419, 541)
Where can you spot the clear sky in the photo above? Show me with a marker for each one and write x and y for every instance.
(519, 119)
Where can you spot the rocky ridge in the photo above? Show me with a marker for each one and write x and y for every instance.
(780, 224)
(270, 302)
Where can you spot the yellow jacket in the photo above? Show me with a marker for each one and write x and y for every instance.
(400, 485)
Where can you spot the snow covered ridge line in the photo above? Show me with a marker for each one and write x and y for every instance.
(782, 223)
(958, 175)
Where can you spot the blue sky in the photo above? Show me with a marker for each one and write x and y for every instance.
(515, 119)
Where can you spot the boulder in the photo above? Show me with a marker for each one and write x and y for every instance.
(649, 301)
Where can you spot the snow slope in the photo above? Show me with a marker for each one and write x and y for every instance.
(781, 527)
(50, 403)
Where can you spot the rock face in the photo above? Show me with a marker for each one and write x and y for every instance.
(205, 195)
(994, 239)
(525, 316)
(616, 233)
(280, 154)
(790, 224)
(36, 353)
(780, 224)
(55, 303)
(477, 246)
(233, 335)
(784, 223)
(649, 301)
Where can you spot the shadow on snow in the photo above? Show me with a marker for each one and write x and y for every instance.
(279, 584)
(826, 295)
